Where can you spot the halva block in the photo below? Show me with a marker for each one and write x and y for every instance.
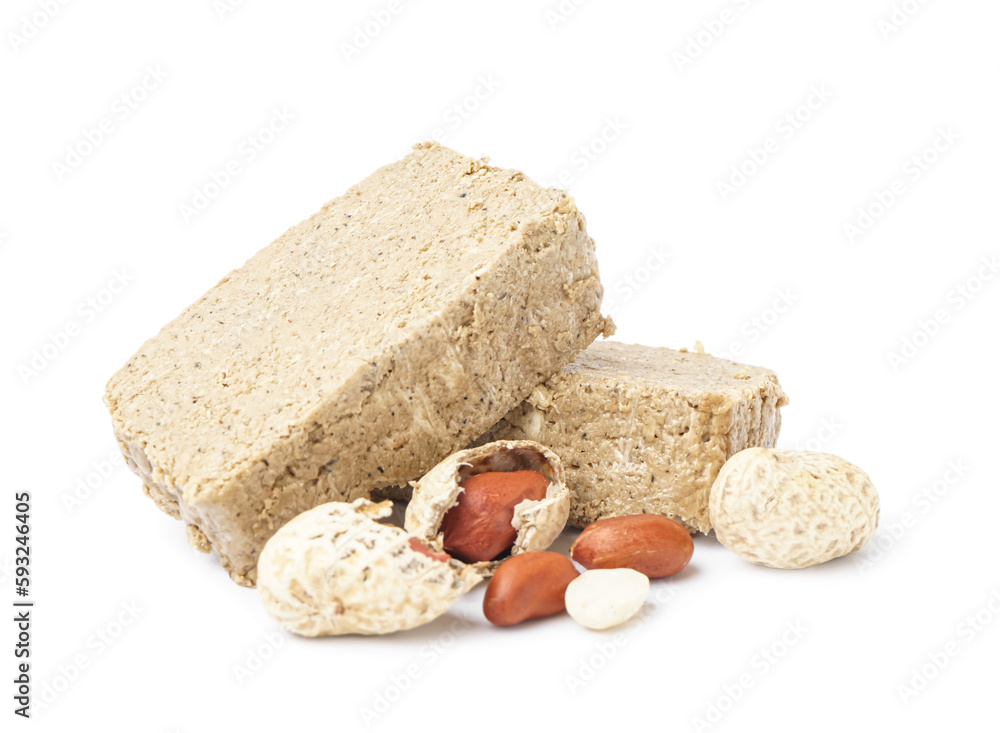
(645, 430)
(358, 350)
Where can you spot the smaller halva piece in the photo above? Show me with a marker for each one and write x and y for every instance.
(645, 430)
(792, 509)
(336, 570)
(538, 523)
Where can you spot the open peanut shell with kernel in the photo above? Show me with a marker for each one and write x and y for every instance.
(535, 522)
(336, 569)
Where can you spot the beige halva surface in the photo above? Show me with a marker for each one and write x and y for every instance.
(358, 350)
(646, 430)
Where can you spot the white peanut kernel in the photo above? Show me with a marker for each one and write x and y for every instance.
(600, 599)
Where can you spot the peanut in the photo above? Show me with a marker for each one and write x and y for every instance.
(337, 569)
(536, 524)
(423, 549)
(527, 586)
(479, 527)
(792, 509)
(655, 546)
(600, 599)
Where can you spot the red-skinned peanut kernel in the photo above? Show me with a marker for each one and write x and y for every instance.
(527, 586)
(655, 546)
(478, 528)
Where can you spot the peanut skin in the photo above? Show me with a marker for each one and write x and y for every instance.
(655, 546)
(423, 549)
(478, 528)
(527, 586)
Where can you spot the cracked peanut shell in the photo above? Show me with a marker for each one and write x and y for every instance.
(336, 570)
(538, 523)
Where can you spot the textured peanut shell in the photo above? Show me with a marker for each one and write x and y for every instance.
(335, 570)
(538, 523)
(792, 509)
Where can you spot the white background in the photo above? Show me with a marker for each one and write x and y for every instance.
(767, 272)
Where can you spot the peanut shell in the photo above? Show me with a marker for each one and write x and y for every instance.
(792, 509)
(538, 523)
(336, 570)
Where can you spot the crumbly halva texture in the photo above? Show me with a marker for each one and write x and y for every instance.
(335, 569)
(792, 509)
(358, 350)
(538, 523)
(645, 430)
